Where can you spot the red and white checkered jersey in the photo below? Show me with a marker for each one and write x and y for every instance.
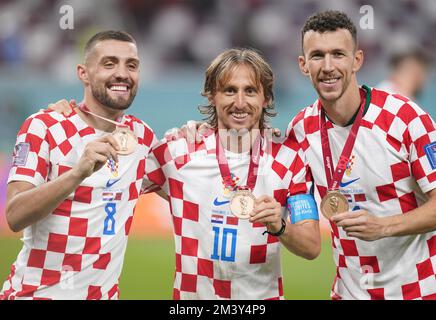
(219, 256)
(392, 167)
(77, 251)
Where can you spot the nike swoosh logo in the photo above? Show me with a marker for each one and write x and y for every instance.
(111, 182)
(345, 184)
(219, 203)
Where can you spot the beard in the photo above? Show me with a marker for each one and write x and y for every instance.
(101, 95)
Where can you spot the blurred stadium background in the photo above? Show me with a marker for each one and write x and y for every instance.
(177, 39)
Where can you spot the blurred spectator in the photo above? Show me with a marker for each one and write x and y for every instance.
(408, 74)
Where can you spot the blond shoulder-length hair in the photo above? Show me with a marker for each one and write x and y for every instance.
(219, 72)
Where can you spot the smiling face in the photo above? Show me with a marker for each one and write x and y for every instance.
(111, 72)
(238, 100)
(331, 61)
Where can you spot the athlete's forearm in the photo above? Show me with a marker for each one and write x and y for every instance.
(27, 204)
(418, 221)
(302, 239)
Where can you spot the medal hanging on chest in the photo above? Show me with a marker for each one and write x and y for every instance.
(242, 199)
(334, 201)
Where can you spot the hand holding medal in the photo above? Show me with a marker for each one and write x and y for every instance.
(125, 138)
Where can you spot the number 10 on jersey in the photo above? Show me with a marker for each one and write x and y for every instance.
(224, 244)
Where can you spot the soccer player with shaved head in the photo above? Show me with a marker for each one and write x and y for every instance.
(75, 180)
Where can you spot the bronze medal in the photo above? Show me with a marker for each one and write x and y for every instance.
(242, 204)
(333, 203)
(126, 140)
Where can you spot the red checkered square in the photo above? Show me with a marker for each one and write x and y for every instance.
(65, 147)
(176, 188)
(384, 120)
(25, 172)
(162, 154)
(72, 262)
(205, 268)
(69, 129)
(377, 294)
(281, 196)
(94, 293)
(280, 283)
(157, 176)
(128, 225)
(280, 169)
(133, 191)
(378, 97)
(258, 225)
(114, 291)
(189, 283)
(223, 288)
(92, 246)
(64, 209)
(271, 239)
(407, 113)
(429, 297)
(178, 262)
(418, 170)
(432, 246)
(41, 167)
(176, 294)
(369, 264)
(34, 141)
(411, 291)
(63, 169)
(408, 202)
(83, 194)
(57, 242)
(177, 225)
(78, 227)
(27, 290)
(50, 277)
(342, 262)
(190, 210)
(181, 161)
(425, 269)
(349, 248)
(387, 192)
(36, 258)
(86, 132)
(189, 247)
(102, 262)
(258, 254)
(400, 171)
(311, 124)
(396, 144)
(420, 143)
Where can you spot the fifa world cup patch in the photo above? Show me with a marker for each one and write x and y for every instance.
(430, 151)
(21, 152)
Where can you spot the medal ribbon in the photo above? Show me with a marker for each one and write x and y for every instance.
(338, 174)
(85, 109)
(225, 170)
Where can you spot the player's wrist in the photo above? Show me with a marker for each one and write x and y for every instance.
(277, 231)
(77, 174)
(389, 226)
